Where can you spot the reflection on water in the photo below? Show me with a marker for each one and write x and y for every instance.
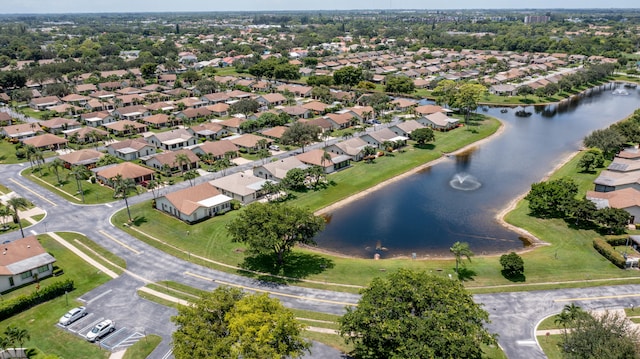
(424, 214)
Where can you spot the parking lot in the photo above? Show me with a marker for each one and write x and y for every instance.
(121, 338)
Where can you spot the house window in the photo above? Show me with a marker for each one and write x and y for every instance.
(43, 268)
(11, 284)
(25, 275)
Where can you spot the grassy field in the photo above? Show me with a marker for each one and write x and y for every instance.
(40, 321)
(143, 347)
(551, 345)
(94, 193)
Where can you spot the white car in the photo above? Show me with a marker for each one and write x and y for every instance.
(274, 148)
(73, 315)
(101, 329)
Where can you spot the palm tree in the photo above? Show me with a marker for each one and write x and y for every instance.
(190, 176)
(574, 311)
(21, 335)
(5, 343)
(326, 157)
(16, 204)
(460, 249)
(563, 319)
(122, 186)
(263, 154)
(5, 212)
(153, 185)
(181, 160)
(262, 144)
(38, 158)
(222, 164)
(80, 173)
(55, 166)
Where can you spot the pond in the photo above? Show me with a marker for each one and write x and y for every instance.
(458, 199)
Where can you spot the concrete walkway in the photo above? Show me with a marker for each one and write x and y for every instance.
(82, 255)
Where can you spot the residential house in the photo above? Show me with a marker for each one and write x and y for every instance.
(503, 90)
(317, 107)
(194, 114)
(169, 162)
(127, 170)
(172, 140)
(95, 119)
(125, 127)
(209, 130)
(85, 157)
(46, 141)
(5, 119)
(277, 170)
(219, 109)
(322, 123)
(353, 147)
(379, 137)
(341, 120)
(233, 124)
(217, 149)
(58, 124)
(85, 134)
(241, 186)
(609, 181)
(42, 103)
(329, 161)
(249, 141)
(271, 99)
(216, 97)
(430, 109)
(296, 112)
(24, 261)
(439, 121)
(130, 150)
(157, 121)
(21, 131)
(627, 199)
(194, 204)
(403, 104)
(131, 113)
(275, 132)
(406, 127)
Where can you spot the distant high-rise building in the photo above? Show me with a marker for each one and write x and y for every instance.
(536, 19)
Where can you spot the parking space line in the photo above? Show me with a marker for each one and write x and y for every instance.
(99, 296)
(119, 242)
(597, 298)
(269, 291)
(168, 354)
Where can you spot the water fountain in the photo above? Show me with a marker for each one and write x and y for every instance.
(464, 182)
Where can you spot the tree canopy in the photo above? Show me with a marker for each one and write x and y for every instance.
(227, 323)
(300, 134)
(274, 229)
(411, 314)
(348, 76)
(423, 135)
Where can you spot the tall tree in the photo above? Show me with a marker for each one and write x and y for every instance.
(459, 250)
(300, 134)
(245, 107)
(269, 228)
(410, 314)
(17, 204)
(80, 173)
(607, 335)
(348, 76)
(467, 98)
(423, 135)
(122, 187)
(55, 166)
(182, 161)
(190, 176)
(608, 140)
(227, 323)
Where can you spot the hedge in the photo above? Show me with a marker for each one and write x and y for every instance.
(23, 302)
(604, 248)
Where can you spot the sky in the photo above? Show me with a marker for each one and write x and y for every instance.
(88, 6)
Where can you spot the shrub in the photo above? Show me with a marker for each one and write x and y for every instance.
(21, 303)
(512, 265)
(609, 252)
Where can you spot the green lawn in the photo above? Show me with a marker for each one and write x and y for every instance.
(94, 193)
(551, 345)
(143, 347)
(40, 320)
(8, 153)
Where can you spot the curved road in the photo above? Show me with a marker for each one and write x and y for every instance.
(514, 315)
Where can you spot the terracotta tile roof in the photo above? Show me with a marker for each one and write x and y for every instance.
(187, 200)
(428, 109)
(275, 132)
(169, 157)
(44, 140)
(218, 148)
(621, 199)
(314, 157)
(158, 119)
(82, 156)
(248, 140)
(119, 125)
(126, 169)
(22, 255)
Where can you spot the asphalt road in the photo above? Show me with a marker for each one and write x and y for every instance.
(513, 315)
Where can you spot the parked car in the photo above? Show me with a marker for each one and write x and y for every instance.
(101, 329)
(73, 315)
(274, 148)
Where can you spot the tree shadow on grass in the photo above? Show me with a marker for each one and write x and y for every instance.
(138, 221)
(425, 146)
(465, 274)
(520, 278)
(296, 265)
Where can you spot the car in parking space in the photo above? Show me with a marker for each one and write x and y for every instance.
(72, 315)
(274, 148)
(101, 329)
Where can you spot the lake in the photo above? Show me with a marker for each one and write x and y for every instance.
(458, 199)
